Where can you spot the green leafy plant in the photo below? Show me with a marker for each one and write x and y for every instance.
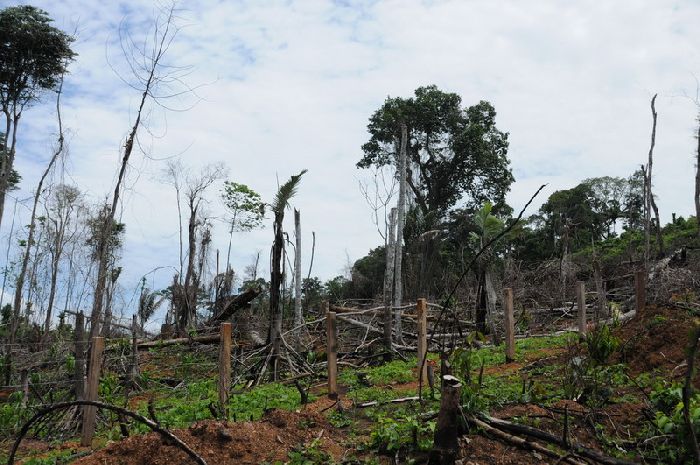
(601, 343)
(669, 421)
(402, 432)
(309, 454)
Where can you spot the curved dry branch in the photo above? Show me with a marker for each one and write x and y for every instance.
(64, 405)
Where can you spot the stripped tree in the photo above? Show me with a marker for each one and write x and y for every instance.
(153, 77)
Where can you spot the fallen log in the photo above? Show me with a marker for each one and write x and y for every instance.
(524, 443)
(236, 303)
(204, 339)
(578, 449)
(369, 327)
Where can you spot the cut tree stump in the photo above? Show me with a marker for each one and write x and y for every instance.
(446, 444)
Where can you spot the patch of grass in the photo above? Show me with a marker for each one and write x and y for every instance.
(191, 403)
(394, 372)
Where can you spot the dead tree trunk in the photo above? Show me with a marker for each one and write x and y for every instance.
(19, 285)
(398, 254)
(601, 310)
(389, 282)
(162, 38)
(186, 313)
(697, 181)
(446, 444)
(281, 202)
(649, 203)
(298, 316)
(491, 301)
(275, 301)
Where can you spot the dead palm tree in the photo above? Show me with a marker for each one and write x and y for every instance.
(279, 205)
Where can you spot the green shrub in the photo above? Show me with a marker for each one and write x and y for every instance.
(669, 421)
(601, 343)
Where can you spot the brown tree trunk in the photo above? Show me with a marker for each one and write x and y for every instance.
(7, 162)
(185, 316)
(275, 301)
(650, 204)
(298, 316)
(446, 444)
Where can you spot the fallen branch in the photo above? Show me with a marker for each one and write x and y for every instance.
(236, 303)
(203, 339)
(548, 437)
(524, 443)
(65, 405)
(375, 403)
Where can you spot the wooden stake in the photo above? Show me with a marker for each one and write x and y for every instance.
(640, 290)
(89, 411)
(331, 352)
(422, 310)
(510, 324)
(581, 299)
(224, 367)
(25, 387)
(79, 376)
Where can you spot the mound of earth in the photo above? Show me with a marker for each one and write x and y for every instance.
(656, 340)
(225, 443)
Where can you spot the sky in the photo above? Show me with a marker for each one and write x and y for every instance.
(283, 86)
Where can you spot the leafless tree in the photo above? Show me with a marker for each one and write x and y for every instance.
(59, 213)
(157, 81)
(649, 202)
(21, 276)
(195, 188)
(173, 174)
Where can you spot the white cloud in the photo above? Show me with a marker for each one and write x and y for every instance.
(292, 84)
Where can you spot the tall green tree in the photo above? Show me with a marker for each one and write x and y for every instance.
(456, 158)
(455, 154)
(33, 57)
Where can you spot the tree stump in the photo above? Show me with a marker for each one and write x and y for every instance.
(446, 445)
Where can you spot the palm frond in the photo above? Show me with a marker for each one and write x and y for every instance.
(285, 193)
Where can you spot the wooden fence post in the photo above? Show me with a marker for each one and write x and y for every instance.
(224, 367)
(134, 351)
(509, 323)
(89, 411)
(422, 310)
(24, 377)
(79, 376)
(640, 290)
(331, 352)
(581, 300)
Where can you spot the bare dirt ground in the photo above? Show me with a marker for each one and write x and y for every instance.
(222, 443)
